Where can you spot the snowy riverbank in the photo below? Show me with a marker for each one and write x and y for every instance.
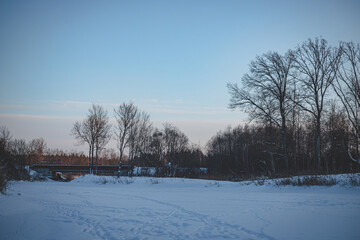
(93, 207)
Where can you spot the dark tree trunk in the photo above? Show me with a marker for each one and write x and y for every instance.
(120, 162)
(96, 160)
(318, 144)
(284, 147)
(90, 159)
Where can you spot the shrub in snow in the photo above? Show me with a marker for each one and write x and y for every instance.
(2, 183)
(260, 182)
(102, 180)
(307, 181)
(125, 180)
(354, 180)
(217, 184)
(154, 181)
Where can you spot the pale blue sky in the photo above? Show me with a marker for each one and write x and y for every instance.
(171, 58)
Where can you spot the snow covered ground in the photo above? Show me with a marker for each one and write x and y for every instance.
(151, 208)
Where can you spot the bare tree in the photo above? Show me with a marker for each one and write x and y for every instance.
(5, 138)
(36, 149)
(145, 132)
(102, 130)
(347, 88)
(140, 136)
(126, 116)
(265, 92)
(175, 141)
(84, 133)
(94, 130)
(157, 146)
(316, 66)
(133, 142)
(19, 148)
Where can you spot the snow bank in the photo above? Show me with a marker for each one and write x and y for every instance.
(144, 171)
(311, 180)
(93, 179)
(346, 180)
(175, 208)
(35, 176)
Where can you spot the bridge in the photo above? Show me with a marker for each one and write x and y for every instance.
(51, 170)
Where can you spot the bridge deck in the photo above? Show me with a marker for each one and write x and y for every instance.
(77, 168)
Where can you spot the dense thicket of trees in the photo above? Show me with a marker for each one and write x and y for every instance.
(306, 108)
(15, 155)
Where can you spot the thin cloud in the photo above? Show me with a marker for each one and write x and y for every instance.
(187, 110)
(148, 105)
(74, 102)
(9, 106)
(30, 116)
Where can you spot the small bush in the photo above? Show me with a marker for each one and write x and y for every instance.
(125, 180)
(217, 184)
(102, 180)
(3, 183)
(154, 181)
(354, 180)
(114, 180)
(284, 182)
(260, 182)
(307, 181)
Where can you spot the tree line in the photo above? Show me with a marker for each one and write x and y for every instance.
(306, 108)
(138, 142)
(303, 107)
(17, 154)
